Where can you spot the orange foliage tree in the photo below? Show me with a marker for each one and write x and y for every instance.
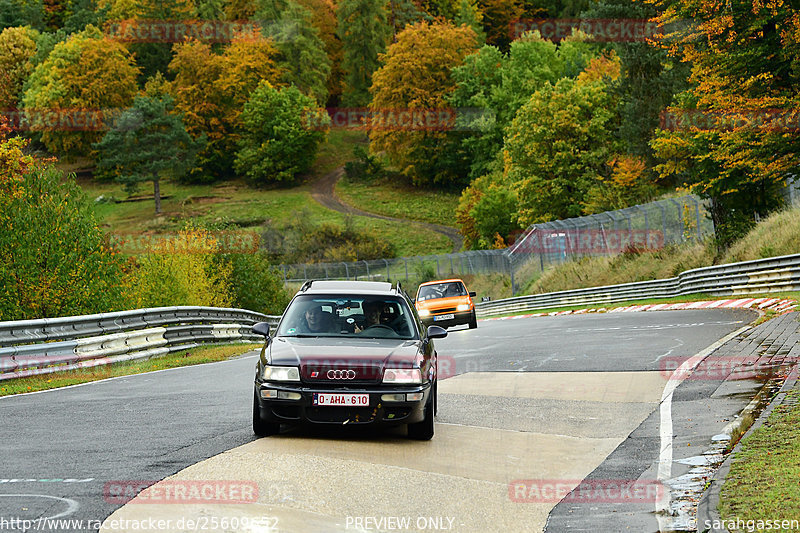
(416, 76)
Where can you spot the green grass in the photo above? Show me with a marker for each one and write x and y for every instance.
(338, 150)
(400, 201)
(195, 356)
(237, 203)
(762, 483)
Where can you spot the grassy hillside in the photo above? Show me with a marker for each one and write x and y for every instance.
(777, 235)
(400, 201)
(241, 205)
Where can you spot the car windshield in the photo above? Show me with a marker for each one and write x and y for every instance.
(441, 290)
(353, 316)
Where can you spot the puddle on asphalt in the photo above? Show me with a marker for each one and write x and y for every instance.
(687, 489)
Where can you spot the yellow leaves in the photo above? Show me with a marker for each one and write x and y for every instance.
(626, 170)
(606, 66)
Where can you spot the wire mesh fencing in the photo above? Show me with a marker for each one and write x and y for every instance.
(540, 246)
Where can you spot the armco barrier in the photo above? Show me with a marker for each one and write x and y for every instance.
(35, 347)
(774, 274)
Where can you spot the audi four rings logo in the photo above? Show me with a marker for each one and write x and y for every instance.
(341, 374)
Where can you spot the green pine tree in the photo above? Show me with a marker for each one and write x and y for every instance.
(147, 143)
(364, 32)
(303, 58)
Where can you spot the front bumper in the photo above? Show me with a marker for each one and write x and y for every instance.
(378, 412)
(458, 319)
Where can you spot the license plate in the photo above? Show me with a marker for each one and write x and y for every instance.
(341, 400)
(451, 316)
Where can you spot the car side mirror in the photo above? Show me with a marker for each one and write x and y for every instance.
(473, 294)
(262, 328)
(436, 332)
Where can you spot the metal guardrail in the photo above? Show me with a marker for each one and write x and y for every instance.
(35, 347)
(774, 274)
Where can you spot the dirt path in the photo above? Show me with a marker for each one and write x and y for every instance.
(323, 191)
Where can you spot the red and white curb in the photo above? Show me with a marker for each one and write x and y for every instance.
(773, 304)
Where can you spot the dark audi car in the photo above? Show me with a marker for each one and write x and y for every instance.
(347, 352)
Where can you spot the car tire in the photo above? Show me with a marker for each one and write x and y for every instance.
(473, 321)
(424, 430)
(261, 428)
(435, 399)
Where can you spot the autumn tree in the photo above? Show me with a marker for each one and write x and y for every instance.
(364, 32)
(147, 144)
(728, 140)
(210, 91)
(282, 130)
(17, 48)
(86, 73)
(416, 76)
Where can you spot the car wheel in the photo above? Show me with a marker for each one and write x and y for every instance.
(435, 399)
(473, 321)
(424, 430)
(261, 428)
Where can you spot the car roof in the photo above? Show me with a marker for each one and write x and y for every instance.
(440, 281)
(348, 287)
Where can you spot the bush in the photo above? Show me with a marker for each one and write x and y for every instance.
(303, 242)
(181, 271)
(54, 260)
(255, 284)
(282, 132)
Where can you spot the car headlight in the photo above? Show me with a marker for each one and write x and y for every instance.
(402, 375)
(281, 373)
(424, 312)
(462, 307)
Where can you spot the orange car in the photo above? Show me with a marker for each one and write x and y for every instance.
(445, 303)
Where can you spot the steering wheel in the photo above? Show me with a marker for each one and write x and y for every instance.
(380, 326)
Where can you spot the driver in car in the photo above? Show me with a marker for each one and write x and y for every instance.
(372, 315)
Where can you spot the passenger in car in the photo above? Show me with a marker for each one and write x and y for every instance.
(318, 321)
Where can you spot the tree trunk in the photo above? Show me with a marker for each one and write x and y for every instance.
(157, 194)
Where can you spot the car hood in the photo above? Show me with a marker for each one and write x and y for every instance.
(439, 303)
(366, 357)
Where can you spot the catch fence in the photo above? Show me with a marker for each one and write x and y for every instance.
(646, 226)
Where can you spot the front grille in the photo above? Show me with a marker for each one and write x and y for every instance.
(443, 310)
(337, 415)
